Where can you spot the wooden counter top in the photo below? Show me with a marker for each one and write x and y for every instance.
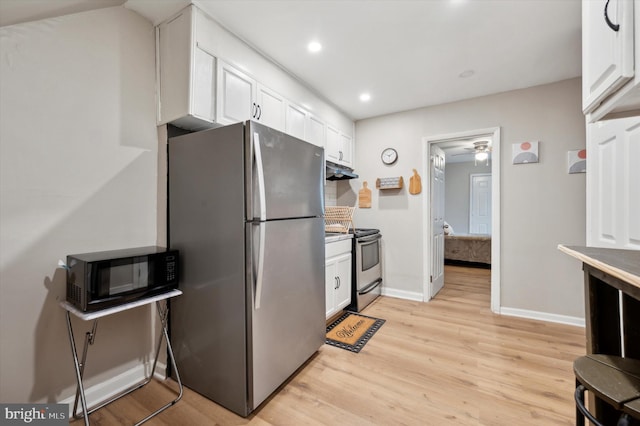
(622, 264)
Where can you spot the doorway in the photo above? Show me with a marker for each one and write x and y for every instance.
(432, 259)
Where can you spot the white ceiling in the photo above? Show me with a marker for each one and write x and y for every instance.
(406, 53)
(409, 54)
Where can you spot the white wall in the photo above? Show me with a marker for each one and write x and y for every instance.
(541, 204)
(456, 189)
(78, 173)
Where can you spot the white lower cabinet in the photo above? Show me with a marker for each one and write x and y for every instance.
(613, 184)
(337, 276)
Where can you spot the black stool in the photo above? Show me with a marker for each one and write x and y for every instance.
(613, 380)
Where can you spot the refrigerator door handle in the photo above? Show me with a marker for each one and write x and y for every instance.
(260, 171)
(260, 266)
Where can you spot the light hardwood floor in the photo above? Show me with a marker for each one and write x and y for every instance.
(446, 362)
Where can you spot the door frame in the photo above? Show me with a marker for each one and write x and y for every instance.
(492, 133)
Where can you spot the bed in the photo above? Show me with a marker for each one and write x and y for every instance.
(468, 248)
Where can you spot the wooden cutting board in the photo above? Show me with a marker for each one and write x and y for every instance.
(364, 197)
(415, 184)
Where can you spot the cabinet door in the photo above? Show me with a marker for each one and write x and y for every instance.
(332, 150)
(203, 88)
(343, 271)
(613, 189)
(330, 284)
(236, 94)
(270, 108)
(607, 54)
(296, 121)
(174, 67)
(315, 130)
(346, 146)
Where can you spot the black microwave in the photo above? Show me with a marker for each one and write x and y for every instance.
(105, 279)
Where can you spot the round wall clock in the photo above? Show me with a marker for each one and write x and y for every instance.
(389, 156)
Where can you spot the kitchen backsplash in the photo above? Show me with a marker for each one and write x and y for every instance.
(331, 193)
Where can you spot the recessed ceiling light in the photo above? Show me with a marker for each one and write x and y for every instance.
(314, 47)
(365, 97)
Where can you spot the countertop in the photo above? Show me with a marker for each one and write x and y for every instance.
(332, 238)
(622, 264)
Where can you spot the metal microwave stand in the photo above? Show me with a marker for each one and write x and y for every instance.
(163, 312)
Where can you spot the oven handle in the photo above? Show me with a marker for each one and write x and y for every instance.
(370, 287)
(368, 238)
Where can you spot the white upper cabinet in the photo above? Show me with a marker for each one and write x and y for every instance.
(306, 126)
(315, 130)
(186, 76)
(610, 49)
(241, 98)
(203, 88)
(346, 149)
(296, 122)
(236, 95)
(332, 148)
(339, 148)
(207, 77)
(270, 108)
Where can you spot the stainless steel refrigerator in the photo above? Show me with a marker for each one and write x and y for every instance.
(245, 211)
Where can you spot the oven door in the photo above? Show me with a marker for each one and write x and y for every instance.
(368, 273)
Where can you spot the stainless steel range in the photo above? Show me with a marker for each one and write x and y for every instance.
(367, 267)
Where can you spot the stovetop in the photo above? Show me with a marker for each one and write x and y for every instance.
(363, 232)
(357, 233)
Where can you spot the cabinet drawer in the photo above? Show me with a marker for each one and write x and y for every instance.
(337, 248)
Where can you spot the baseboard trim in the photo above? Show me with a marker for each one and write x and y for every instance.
(512, 312)
(402, 294)
(543, 316)
(103, 391)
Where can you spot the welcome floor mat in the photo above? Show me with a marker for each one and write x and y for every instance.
(352, 331)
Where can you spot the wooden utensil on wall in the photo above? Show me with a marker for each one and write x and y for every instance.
(415, 185)
(364, 197)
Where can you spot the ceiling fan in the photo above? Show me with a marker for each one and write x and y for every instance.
(480, 150)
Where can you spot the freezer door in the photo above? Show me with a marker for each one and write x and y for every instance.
(284, 175)
(287, 300)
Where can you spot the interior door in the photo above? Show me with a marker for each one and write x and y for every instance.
(480, 204)
(437, 220)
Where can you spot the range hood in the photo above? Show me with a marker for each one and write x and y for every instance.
(339, 172)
